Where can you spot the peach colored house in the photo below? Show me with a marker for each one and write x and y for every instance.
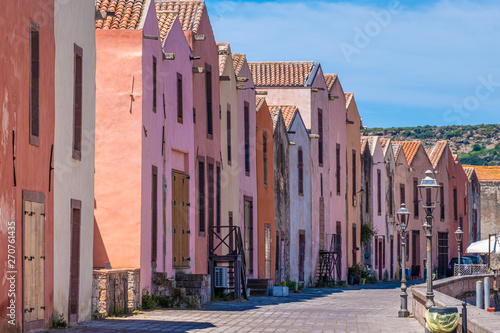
(417, 163)
(26, 139)
(353, 180)
(474, 208)
(206, 111)
(175, 243)
(302, 84)
(129, 168)
(336, 150)
(450, 174)
(266, 230)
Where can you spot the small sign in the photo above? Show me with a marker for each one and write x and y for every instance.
(169, 56)
(199, 37)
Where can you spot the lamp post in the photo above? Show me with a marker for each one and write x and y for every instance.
(402, 215)
(427, 186)
(458, 236)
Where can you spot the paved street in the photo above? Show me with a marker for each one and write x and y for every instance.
(371, 308)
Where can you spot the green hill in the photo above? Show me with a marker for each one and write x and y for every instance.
(475, 144)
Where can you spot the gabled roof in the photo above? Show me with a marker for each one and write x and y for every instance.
(384, 142)
(224, 51)
(120, 14)
(469, 171)
(238, 61)
(486, 173)
(436, 152)
(288, 112)
(190, 12)
(281, 73)
(330, 80)
(396, 149)
(410, 149)
(165, 22)
(364, 141)
(348, 98)
(259, 101)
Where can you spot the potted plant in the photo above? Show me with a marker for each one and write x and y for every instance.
(281, 289)
(364, 276)
(355, 274)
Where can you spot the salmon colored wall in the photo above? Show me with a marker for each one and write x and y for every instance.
(208, 51)
(265, 194)
(15, 102)
(118, 156)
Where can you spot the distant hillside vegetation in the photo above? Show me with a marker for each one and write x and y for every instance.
(475, 144)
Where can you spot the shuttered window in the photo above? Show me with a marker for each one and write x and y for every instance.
(300, 167)
(210, 176)
(208, 93)
(337, 169)
(154, 217)
(415, 198)
(354, 176)
(264, 152)
(441, 200)
(320, 133)
(77, 103)
(34, 84)
(247, 138)
(379, 192)
(201, 196)
(180, 107)
(391, 195)
(218, 198)
(228, 130)
(154, 84)
(455, 208)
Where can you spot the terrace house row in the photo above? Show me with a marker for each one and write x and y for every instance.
(405, 168)
(47, 162)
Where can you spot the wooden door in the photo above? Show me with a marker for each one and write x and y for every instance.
(249, 236)
(415, 247)
(302, 254)
(180, 220)
(392, 256)
(34, 264)
(74, 283)
(380, 259)
(267, 251)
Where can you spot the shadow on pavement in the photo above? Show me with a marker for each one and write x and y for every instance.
(134, 325)
(305, 295)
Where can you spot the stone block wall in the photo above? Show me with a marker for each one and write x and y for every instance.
(490, 200)
(115, 291)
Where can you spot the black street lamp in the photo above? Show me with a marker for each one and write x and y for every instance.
(426, 187)
(403, 215)
(458, 236)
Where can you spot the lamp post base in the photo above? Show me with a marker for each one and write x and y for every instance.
(430, 301)
(403, 313)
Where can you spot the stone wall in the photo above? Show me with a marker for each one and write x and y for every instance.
(490, 200)
(115, 291)
(192, 289)
(478, 320)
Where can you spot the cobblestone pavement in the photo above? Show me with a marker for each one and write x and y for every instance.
(371, 308)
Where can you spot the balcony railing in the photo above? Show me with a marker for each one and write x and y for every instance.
(470, 269)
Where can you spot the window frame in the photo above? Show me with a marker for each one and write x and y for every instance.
(34, 94)
(77, 103)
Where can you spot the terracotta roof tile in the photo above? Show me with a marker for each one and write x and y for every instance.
(238, 61)
(190, 12)
(486, 173)
(330, 80)
(259, 101)
(288, 112)
(410, 149)
(165, 21)
(436, 152)
(469, 171)
(348, 98)
(224, 51)
(120, 14)
(280, 74)
(383, 142)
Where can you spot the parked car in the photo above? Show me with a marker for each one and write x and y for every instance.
(476, 260)
(453, 261)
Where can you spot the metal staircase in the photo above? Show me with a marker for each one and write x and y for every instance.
(225, 246)
(329, 263)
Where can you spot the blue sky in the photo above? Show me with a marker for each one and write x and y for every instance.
(409, 63)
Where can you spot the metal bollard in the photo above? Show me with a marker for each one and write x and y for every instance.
(486, 292)
(464, 317)
(479, 294)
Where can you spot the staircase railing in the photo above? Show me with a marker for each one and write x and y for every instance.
(226, 241)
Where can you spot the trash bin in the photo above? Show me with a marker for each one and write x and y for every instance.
(441, 320)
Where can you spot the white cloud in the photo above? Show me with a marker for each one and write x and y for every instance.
(427, 57)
